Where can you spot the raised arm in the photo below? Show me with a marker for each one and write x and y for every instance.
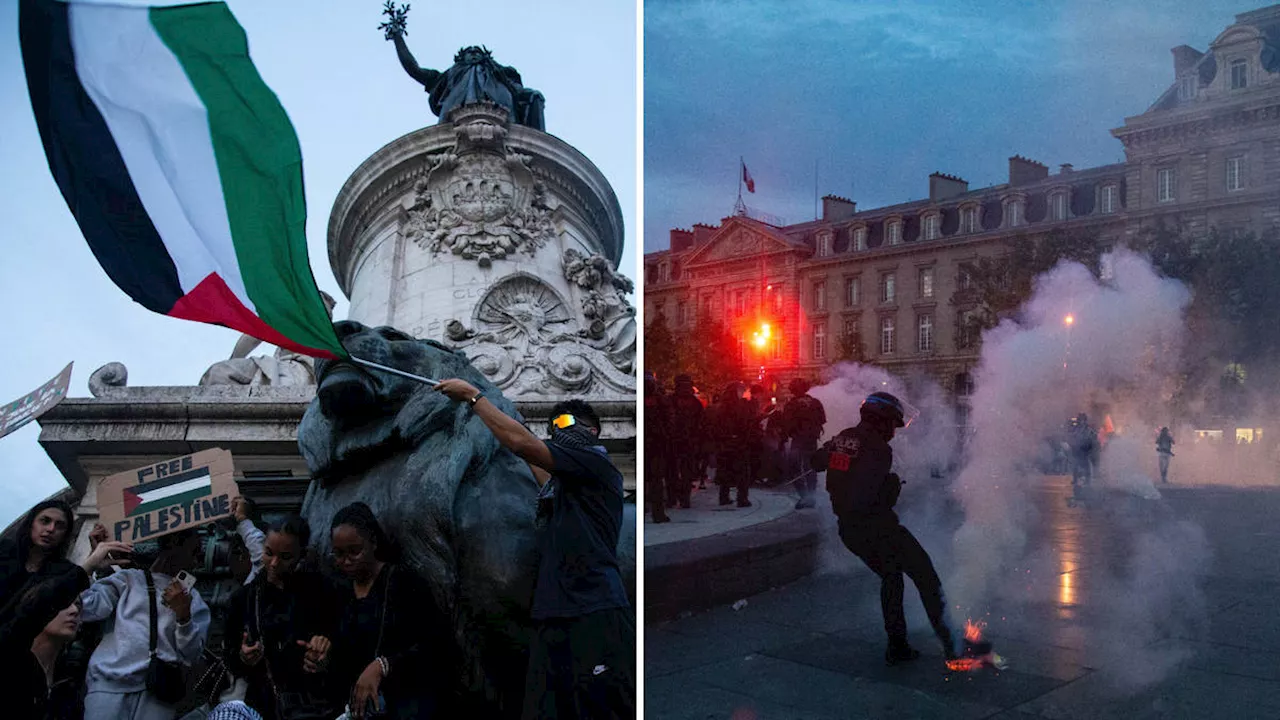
(510, 433)
(423, 75)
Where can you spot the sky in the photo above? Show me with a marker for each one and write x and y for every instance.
(347, 96)
(882, 93)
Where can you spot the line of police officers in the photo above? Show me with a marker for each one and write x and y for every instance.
(746, 435)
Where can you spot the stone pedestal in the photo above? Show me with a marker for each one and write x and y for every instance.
(498, 240)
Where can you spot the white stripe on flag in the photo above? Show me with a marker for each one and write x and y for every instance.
(162, 129)
(170, 491)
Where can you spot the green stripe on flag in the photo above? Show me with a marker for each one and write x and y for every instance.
(260, 167)
(172, 500)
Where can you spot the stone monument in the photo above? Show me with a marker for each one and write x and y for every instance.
(497, 239)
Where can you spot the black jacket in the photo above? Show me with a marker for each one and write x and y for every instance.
(804, 418)
(14, 575)
(416, 638)
(859, 481)
(22, 684)
(278, 618)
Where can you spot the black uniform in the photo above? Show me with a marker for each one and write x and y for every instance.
(804, 418)
(658, 461)
(688, 432)
(1084, 449)
(736, 431)
(863, 492)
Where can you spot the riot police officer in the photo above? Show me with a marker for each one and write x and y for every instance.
(657, 460)
(734, 424)
(688, 432)
(863, 491)
(803, 418)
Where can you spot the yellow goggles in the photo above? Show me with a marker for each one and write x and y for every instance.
(564, 421)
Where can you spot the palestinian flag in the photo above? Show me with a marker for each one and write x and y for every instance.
(172, 490)
(179, 164)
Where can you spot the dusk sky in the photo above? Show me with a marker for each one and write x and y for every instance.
(347, 96)
(884, 93)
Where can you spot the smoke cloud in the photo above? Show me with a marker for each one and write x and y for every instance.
(1125, 571)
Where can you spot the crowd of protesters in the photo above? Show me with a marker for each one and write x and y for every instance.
(739, 437)
(297, 644)
(365, 639)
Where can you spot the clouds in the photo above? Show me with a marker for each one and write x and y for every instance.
(883, 93)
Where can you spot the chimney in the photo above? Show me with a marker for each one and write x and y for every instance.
(835, 208)
(943, 186)
(1184, 58)
(702, 233)
(681, 240)
(1066, 169)
(1023, 171)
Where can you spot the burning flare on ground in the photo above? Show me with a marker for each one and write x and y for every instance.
(977, 652)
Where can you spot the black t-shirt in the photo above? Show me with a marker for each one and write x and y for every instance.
(579, 522)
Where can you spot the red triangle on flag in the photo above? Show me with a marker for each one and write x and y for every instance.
(131, 501)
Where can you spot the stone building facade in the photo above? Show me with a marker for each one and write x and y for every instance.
(1205, 155)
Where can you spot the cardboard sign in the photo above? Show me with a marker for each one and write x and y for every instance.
(166, 497)
(35, 403)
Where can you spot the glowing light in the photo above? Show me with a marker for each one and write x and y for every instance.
(1066, 590)
(968, 663)
(973, 630)
(760, 338)
(1069, 320)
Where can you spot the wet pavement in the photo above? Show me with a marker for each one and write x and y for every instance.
(1124, 608)
(706, 516)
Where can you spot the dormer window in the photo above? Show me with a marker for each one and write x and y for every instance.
(1110, 193)
(1058, 205)
(1187, 87)
(895, 232)
(1239, 74)
(968, 219)
(860, 238)
(931, 227)
(1013, 213)
(664, 271)
(824, 245)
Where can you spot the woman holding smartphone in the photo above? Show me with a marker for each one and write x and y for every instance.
(284, 620)
(393, 650)
(119, 669)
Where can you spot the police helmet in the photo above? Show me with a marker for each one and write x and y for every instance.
(884, 406)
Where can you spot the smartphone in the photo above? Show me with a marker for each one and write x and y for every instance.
(187, 579)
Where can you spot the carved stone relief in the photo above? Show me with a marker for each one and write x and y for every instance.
(479, 199)
(529, 343)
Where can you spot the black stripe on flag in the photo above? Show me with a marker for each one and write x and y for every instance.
(87, 165)
(171, 480)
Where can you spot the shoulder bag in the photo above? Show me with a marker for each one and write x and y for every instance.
(164, 679)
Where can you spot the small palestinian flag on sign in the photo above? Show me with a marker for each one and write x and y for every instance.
(173, 490)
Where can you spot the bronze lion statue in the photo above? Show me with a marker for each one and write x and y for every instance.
(461, 506)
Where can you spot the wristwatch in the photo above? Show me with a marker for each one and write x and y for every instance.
(475, 399)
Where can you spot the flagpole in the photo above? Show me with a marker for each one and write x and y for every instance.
(410, 376)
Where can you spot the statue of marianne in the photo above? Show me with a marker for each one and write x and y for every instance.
(474, 77)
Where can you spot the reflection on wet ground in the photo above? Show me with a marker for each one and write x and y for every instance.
(1121, 608)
